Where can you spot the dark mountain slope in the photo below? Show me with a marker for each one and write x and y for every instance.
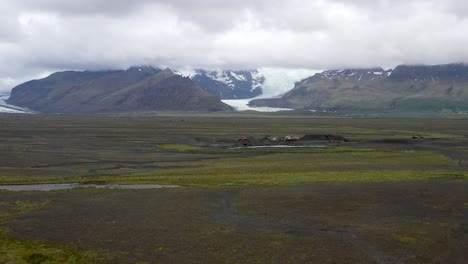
(164, 91)
(70, 91)
(112, 91)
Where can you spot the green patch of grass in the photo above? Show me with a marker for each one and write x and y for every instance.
(404, 238)
(230, 184)
(36, 258)
(160, 249)
(19, 207)
(285, 178)
(180, 147)
(336, 165)
(34, 252)
(19, 179)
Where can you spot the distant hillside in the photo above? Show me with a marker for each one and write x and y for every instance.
(230, 84)
(135, 89)
(408, 88)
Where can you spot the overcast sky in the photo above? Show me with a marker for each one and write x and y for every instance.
(38, 37)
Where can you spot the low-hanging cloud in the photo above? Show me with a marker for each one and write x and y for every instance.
(38, 37)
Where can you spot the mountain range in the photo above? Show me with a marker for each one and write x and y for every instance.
(135, 89)
(407, 88)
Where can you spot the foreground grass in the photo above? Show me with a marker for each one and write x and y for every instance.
(33, 252)
(413, 222)
(184, 224)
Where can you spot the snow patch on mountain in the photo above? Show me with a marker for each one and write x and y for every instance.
(238, 76)
(186, 72)
(230, 84)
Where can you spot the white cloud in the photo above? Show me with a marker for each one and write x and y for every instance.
(48, 35)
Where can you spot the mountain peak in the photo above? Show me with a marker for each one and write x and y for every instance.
(168, 71)
(230, 84)
(144, 69)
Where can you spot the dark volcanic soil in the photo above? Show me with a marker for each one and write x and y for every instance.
(286, 140)
(408, 222)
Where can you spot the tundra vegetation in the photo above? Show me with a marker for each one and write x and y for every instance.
(375, 189)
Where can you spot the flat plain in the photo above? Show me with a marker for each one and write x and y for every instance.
(394, 191)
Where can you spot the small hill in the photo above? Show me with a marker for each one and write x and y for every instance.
(407, 88)
(135, 89)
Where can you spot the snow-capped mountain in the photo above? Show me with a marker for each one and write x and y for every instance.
(230, 84)
(356, 75)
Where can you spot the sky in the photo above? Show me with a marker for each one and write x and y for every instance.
(288, 37)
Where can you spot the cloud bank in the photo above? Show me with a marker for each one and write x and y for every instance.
(41, 36)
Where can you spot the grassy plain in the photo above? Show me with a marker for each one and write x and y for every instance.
(396, 193)
(167, 149)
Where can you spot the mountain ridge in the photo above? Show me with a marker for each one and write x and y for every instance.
(412, 88)
(112, 91)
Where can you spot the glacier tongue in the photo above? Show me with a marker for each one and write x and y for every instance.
(243, 105)
(8, 108)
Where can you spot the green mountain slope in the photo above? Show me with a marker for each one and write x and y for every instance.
(406, 88)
